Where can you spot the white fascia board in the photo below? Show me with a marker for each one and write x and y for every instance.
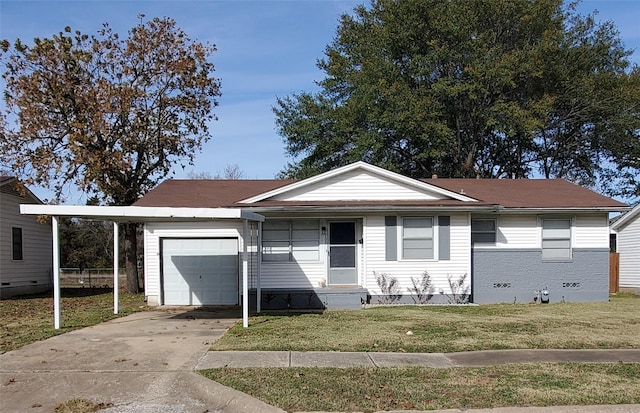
(133, 213)
(367, 167)
(626, 218)
(573, 210)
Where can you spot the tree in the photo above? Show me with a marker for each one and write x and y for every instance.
(230, 172)
(488, 88)
(109, 115)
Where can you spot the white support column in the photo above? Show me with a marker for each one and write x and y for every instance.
(116, 270)
(245, 276)
(56, 273)
(259, 268)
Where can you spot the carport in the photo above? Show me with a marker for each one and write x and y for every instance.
(135, 214)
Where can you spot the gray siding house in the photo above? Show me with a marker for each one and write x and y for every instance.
(325, 239)
(25, 244)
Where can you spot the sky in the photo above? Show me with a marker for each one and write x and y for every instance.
(266, 49)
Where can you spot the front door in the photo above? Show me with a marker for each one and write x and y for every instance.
(342, 253)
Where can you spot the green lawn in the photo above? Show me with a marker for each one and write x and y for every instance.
(30, 318)
(373, 389)
(613, 324)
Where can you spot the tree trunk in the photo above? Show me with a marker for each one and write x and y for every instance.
(131, 257)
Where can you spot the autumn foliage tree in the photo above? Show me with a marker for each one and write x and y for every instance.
(108, 115)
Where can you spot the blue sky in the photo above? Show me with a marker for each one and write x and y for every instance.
(266, 49)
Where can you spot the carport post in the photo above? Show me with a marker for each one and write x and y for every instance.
(56, 273)
(116, 288)
(259, 268)
(245, 276)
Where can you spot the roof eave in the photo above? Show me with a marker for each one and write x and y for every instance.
(139, 214)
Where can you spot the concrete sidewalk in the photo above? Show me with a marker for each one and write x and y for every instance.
(239, 359)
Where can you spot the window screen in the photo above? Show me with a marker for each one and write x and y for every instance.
(290, 240)
(417, 238)
(556, 238)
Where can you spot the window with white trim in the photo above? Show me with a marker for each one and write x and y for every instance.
(417, 238)
(291, 240)
(556, 239)
(483, 231)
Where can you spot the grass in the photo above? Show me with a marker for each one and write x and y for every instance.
(80, 406)
(613, 324)
(30, 318)
(373, 389)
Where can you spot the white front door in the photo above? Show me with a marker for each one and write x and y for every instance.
(200, 271)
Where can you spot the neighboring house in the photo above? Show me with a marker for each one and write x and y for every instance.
(25, 244)
(627, 229)
(325, 238)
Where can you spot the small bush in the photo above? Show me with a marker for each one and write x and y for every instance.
(459, 290)
(422, 288)
(389, 286)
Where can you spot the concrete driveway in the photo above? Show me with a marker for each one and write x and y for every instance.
(140, 363)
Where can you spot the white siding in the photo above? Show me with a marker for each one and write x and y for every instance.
(36, 267)
(591, 231)
(518, 231)
(357, 185)
(629, 249)
(458, 264)
(523, 231)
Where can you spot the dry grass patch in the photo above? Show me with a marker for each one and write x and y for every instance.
(613, 324)
(30, 318)
(80, 406)
(373, 389)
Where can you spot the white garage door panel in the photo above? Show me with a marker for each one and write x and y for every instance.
(200, 271)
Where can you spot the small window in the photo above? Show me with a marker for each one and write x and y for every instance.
(556, 239)
(290, 240)
(417, 238)
(16, 244)
(483, 231)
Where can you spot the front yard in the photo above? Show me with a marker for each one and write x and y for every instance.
(613, 324)
(30, 318)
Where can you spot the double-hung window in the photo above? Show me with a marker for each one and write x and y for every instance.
(483, 231)
(556, 239)
(291, 240)
(417, 238)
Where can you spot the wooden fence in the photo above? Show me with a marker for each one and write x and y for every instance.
(614, 271)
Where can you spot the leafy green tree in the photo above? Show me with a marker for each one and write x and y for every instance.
(106, 114)
(489, 88)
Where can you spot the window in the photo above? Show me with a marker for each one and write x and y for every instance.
(290, 240)
(483, 231)
(556, 238)
(16, 244)
(417, 238)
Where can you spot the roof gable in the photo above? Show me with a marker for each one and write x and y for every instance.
(358, 182)
(10, 185)
(626, 219)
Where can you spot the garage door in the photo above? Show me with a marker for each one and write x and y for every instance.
(201, 271)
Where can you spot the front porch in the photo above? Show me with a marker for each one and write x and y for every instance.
(328, 298)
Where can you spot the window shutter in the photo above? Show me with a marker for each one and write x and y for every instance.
(391, 238)
(444, 238)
